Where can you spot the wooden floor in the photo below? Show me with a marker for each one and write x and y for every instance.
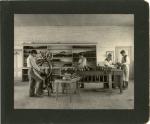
(93, 96)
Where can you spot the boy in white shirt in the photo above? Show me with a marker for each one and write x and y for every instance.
(108, 63)
(35, 80)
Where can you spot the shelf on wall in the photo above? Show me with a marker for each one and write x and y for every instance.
(61, 51)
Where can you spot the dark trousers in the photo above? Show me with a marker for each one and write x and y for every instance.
(35, 84)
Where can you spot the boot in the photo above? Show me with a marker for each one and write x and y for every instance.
(126, 84)
(82, 85)
(123, 86)
(113, 85)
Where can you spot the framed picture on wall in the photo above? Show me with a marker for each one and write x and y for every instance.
(110, 53)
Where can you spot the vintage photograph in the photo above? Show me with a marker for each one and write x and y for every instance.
(73, 61)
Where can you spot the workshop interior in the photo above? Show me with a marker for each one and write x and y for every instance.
(74, 61)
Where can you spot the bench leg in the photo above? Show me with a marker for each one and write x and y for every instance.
(110, 81)
(121, 84)
(70, 92)
(57, 84)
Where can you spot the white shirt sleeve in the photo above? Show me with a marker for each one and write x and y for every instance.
(106, 63)
(33, 63)
(84, 62)
(80, 61)
(28, 62)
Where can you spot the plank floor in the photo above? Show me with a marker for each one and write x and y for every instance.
(93, 96)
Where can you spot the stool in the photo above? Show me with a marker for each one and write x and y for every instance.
(68, 88)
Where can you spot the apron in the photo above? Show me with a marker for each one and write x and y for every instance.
(125, 69)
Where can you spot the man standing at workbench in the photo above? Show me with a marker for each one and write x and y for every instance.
(82, 63)
(125, 67)
(108, 63)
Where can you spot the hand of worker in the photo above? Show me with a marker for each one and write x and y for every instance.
(42, 70)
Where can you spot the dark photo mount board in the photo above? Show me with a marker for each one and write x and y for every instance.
(47, 116)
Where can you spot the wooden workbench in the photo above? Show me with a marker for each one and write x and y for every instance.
(103, 76)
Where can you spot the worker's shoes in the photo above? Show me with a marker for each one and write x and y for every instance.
(39, 94)
(33, 95)
(82, 86)
(114, 86)
(44, 87)
(125, 85)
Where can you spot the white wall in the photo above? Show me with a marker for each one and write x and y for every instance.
(106, 37)
(18, 64)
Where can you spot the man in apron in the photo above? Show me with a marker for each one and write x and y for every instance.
(82, 63)
(125, 67)
(35, 80)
